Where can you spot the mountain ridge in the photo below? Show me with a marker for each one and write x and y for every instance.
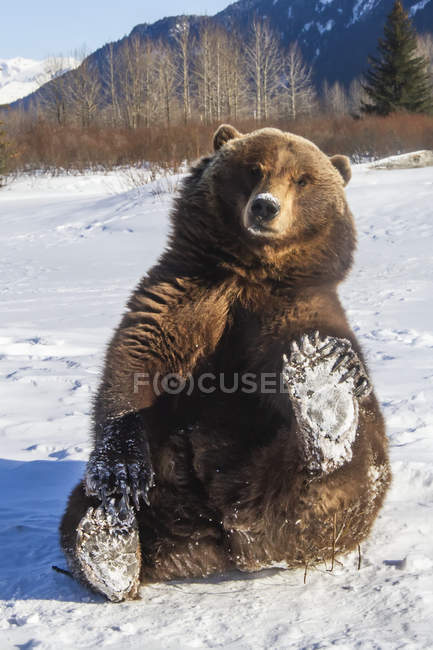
(335, 36)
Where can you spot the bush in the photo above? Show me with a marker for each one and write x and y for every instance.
(43, 145)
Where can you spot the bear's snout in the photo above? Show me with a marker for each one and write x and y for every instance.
(263, 209)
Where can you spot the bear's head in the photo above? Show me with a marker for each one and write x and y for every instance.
(272, 200)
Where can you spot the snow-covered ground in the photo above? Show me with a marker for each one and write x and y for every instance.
(72, 249)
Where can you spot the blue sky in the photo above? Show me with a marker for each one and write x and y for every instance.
(39, 28)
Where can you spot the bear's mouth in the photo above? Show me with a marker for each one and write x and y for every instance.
(260, 231)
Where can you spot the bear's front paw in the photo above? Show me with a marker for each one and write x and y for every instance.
(325, 380)
(120, 468)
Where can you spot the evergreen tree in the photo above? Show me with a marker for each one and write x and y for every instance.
(398, 80)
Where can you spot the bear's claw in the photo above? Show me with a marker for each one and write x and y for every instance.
(315, 348)
(123, 470)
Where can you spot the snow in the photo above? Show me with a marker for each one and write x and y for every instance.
(326, 27)
(322, 5)
(417, 7)
(20, 77)
(360, 8)
(73, 247)
(423, 158)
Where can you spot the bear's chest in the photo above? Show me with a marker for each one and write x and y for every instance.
(239, 388)
(251, 342)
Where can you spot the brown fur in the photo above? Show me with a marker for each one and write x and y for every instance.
(231, 489)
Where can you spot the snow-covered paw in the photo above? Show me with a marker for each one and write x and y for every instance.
(325, 380)
(108, 553)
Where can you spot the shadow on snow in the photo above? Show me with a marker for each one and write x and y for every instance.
(32, 500)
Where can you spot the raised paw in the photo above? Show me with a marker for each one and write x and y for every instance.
(108, 552)
(325, 380)
(120, 468)
(333, 354)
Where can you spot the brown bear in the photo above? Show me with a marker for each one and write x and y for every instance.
(235, 426)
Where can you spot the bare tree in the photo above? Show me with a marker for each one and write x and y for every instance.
(183, 40)
(202, 70)
(217, 73)
(335, 98)
(166, 80)
(54, 96)
(84, 92)
(112, 86)
(298, 83)
(135, 79)
(129, 81)
(234, 78)
(150, 76)
(264, 64)
(356, 96)
(425, 49)
(219, 47)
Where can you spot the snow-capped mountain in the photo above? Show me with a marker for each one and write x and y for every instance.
(19, 77)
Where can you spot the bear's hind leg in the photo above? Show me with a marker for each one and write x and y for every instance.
(102, 546)
(325, 380)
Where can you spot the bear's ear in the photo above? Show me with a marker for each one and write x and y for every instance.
(223, 134)
(342, 164)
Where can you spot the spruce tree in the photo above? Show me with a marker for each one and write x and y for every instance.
(398, 80)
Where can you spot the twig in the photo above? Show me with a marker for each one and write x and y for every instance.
(359, 557)
(334, 533)
(64, 571)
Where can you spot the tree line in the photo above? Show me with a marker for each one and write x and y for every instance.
(205, 77)
(215, 75)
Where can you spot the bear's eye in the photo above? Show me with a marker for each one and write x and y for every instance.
(255, 171)
(302, 181)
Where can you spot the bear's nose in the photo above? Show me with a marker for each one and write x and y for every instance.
(265, 207)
